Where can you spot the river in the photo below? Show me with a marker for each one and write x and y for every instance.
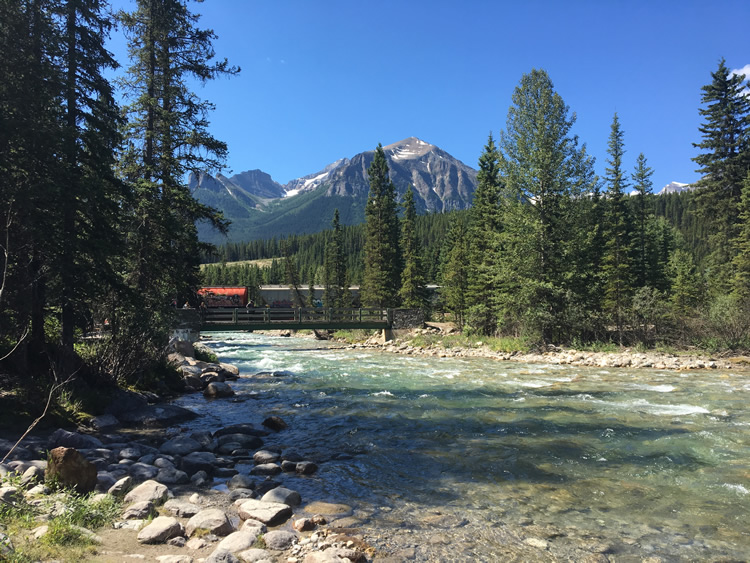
(460, 459)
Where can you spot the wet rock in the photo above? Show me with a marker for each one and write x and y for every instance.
(306, 467)
(156, 416)
(148, 490)
(69, 468)
(139, 510)
(266, 469)
(242, 428)
(265, 456)
(181, 445)
(205, 439)
(247, 441)
(240, 482)
(282, 495)
(264, 486)
(239, 541)
(270, 513)
(212, 520)
(275, 423)
(217, 390)
(279, 539)
(212, 377)
(328, 509)
(162, 529)
(289, 466)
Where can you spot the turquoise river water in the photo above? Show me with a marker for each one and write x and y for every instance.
(459, 459)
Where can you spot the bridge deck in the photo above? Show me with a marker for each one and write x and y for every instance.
(229, 319)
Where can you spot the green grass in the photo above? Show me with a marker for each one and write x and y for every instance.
(64, 540)
(353, 336)
(496, 344)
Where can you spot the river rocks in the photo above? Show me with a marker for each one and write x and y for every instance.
(335, 555)
(68, 439)
(180, 445)
(212, 520)
(266, 469)
(240, 482)
(240, 540)
(139, 510)
(181, 508)
(121, 487)
(279, 539)
(69, 468)
(255, 556)
(328, 509)
(275, 423)
(246, 441)
(172, 476)
(160, 530)
(243, 428)
(270, 513)
(198, 461)
(265, 456)
(282, 495)
(218, 390)
(149, 491)
(306, 467)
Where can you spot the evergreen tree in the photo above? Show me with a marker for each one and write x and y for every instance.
(454, 270)
(91, 197)
(741, 285)
(685, 282)
(616, 264)
(642, 183)
(484, 224)
(546, 175)
(336, 293)
(382, 272)
(168, 137)
(413, 287)
(723, 163)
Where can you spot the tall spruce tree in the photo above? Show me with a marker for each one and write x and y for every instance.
(546, 174)
(616, 264)
(723, 163)
(484, 225)
(454, 270)
(91, 196)
(30, 145)
(642, 183)
(413, 291)
(741, 263)
(168, 137)
(336, 293)
(382, 268)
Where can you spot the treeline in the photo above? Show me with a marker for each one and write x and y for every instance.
(97, 225)
(551, 252)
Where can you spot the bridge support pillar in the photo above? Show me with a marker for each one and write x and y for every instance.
(387, 335)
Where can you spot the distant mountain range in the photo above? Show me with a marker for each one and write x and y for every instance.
(260, 207)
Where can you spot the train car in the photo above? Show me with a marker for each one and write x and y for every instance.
(224, 296)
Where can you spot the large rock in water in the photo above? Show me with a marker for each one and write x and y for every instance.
(217, 390)
(69, 468)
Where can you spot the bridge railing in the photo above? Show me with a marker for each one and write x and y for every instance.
(300, 315)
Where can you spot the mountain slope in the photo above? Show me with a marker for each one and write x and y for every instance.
(260, 207)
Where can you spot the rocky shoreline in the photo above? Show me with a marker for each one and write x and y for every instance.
(186, 496)
(555, 355)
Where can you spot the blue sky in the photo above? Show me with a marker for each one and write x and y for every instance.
(326, 79)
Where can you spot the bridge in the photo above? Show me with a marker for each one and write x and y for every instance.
(231, 319)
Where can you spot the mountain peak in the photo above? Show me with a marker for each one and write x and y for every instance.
(409, 148)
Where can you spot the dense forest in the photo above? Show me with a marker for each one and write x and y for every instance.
(98, 227)
(549, 251)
